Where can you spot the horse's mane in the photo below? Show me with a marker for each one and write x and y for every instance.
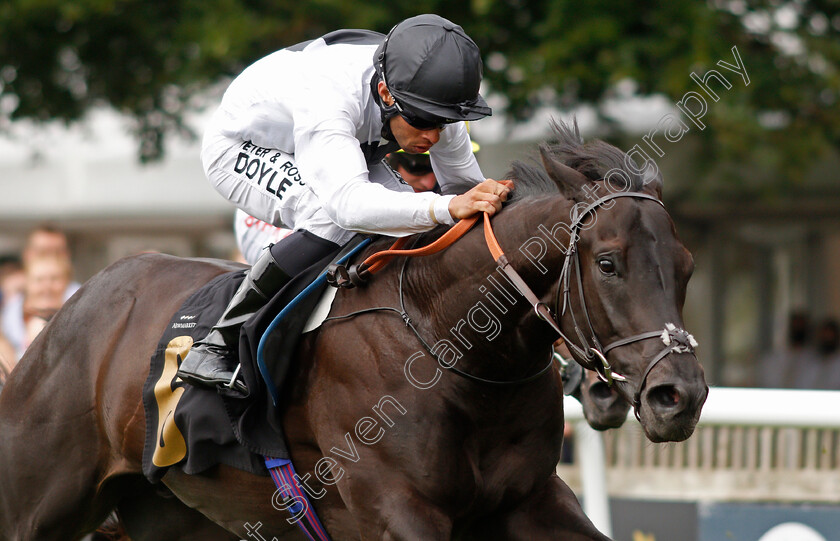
(594, 159)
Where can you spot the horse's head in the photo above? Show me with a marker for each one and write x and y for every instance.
(623, 284)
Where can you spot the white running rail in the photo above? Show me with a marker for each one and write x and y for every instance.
(750, 445)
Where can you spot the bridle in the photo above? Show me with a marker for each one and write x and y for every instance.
(676, 340)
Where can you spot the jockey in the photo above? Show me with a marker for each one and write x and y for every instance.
(298, 142)
(415, 170)
(253, 235)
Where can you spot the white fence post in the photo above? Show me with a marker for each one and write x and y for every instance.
(590, 452)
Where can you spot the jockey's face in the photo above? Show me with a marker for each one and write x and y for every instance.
(410, 139)
(420, 183)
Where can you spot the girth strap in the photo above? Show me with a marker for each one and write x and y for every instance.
(295, 499)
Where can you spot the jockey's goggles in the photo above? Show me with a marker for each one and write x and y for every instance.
(419, 122)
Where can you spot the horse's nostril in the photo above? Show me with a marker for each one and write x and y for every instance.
(600, 391)
(664, 397)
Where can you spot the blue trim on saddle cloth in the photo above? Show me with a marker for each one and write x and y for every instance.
(285, 478)
(317, 283)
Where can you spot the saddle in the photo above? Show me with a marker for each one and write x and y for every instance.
(196, 428)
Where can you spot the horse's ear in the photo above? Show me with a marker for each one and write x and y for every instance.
(569, 181)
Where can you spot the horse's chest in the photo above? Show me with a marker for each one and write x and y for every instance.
(510, 466)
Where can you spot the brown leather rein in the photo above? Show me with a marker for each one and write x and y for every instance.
(377, 261)
(341, 277)
(359, 274)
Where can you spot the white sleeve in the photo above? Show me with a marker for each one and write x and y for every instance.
(266, 124)
(328, 154)
(453, 160)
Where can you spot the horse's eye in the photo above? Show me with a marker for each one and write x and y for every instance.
(606, 266)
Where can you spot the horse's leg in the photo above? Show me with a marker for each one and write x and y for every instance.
(401, 515)
(241, 502)
(410, 517)
(153, 514)
(62, 499)
(71, 415)
(72, 422)
(56, 483)
(238, 501)
(386, 506)
(550, 513)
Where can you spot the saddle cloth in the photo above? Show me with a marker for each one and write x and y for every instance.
(188, 425)
(196, 428)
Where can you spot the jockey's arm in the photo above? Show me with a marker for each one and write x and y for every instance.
(457, 171)
(333, 164)
(334, 168)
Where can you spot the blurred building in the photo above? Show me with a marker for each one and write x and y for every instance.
(88, 181)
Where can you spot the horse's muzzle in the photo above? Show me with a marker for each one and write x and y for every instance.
(670, 404)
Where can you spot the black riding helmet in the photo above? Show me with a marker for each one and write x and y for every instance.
(416, 164)
(433, 71)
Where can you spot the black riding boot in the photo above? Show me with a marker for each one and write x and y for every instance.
(210, 362)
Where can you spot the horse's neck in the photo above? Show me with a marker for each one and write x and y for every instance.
(475, 313)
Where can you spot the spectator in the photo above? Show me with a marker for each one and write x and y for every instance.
(11, 277)
(779, 369)
(7, 360)
(49, 240)
(822, 371)
(23, 317)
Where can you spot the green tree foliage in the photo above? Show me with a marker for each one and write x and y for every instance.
(150, 58)
(145, 58)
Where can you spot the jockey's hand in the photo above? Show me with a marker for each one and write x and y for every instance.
(485, 197)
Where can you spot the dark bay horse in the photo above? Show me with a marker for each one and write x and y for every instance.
(414, 451)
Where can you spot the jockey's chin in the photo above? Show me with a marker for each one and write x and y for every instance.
(411, 139)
